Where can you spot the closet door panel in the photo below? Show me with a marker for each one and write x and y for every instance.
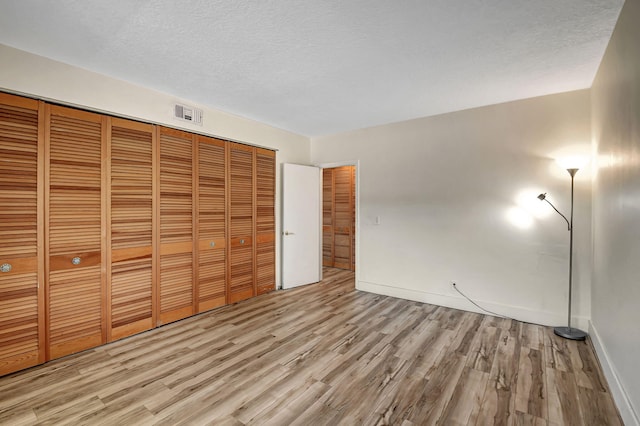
(176, 225)
(241, 278)
(265, 220)
(265, 265)
(75, 310)
(176, 292)
(76, 283)
(212, 276)
(212, 271)
(21, 260)
(241, 222)
(131, 214)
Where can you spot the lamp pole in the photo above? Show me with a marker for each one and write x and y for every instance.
(572, 172)
(568, 332)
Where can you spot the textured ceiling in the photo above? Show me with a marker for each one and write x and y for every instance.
(325, 66)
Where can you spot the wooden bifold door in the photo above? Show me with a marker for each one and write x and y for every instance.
(338, 217)
(212, 223)
(131, 220)
(176, 225)
(110, 227)
(241, 222)
(22, 317)
(265, 220)
(76, 286)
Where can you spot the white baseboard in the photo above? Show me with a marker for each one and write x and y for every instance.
(628, 414)
(459, 302)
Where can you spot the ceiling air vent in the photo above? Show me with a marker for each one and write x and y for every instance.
(190, 114)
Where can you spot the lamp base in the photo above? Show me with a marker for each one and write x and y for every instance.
(570, 333)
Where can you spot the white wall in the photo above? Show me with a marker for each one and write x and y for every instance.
(616, 213)
(36, 76)
(442, 185)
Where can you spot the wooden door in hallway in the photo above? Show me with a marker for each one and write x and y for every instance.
(338, 217)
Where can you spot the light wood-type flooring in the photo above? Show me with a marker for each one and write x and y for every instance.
(321, 354)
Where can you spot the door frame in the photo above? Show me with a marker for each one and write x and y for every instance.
(356, 164)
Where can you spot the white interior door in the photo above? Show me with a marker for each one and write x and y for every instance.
(300, 225)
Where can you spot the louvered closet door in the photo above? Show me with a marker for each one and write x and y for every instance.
(176, 225)
(241, 223)
(353, 218)
(211, 221)
(21, 227)
(342, 225)
(338, 217)
(130, 298)
(265, 221)
(327, 217)
(76, 287)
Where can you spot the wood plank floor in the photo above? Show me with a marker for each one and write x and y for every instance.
(321, 354)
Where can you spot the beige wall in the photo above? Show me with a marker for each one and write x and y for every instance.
(33, 75)
(442, 187)
(616, 212)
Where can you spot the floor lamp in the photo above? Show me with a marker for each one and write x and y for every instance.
(568, 332)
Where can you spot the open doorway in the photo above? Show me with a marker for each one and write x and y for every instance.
(339, 217)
